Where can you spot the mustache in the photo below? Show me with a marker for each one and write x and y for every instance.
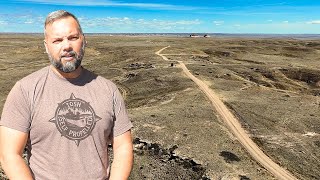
(68, 54)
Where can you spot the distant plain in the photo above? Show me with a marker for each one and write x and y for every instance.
(272, 85)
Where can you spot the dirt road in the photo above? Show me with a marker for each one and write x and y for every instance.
(234, 125)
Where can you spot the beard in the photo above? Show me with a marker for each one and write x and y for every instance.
(69, 66)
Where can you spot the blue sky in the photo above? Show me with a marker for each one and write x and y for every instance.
(168, 16)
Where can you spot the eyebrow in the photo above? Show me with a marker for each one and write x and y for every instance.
(70, 35)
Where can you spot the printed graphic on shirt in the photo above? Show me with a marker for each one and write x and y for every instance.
(75, 119)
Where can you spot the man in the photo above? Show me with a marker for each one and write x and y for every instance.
(65, 115)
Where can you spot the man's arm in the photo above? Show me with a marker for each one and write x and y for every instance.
(12, 143)
(122, 157)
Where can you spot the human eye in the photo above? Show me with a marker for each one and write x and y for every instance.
(74, 38)
(57, 41)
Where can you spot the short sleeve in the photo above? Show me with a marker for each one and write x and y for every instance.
(16, 110)
(121, 121)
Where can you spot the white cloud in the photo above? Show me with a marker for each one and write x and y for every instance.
(112, 3)
(270, 20)
(21, 18)
(29, 22)
(130, 24)
(218, 23)
(286, 22)
(314, 22)
(3, 22)
(109, 21)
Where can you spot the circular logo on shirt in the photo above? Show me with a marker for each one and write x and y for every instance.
(75, 119)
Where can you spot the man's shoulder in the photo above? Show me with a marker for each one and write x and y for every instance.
(102, 80)
(35, 76)
(107, 81)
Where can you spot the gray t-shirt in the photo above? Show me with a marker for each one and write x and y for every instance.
(70, 123)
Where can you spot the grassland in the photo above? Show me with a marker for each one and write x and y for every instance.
(271, 85)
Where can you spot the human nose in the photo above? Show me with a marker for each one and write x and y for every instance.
(67, 45)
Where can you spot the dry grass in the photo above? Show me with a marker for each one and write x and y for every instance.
(271, 85)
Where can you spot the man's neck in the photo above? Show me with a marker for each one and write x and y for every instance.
(71, 75)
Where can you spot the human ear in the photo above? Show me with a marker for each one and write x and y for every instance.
(45, 45)
(85, 41)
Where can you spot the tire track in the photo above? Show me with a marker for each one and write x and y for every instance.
(234, 125)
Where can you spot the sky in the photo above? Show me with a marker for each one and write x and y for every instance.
(168, 16)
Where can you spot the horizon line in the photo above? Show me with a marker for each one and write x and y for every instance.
(195, 33)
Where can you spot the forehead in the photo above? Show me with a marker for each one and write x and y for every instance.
(63, 27)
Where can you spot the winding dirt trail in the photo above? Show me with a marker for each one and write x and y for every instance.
(234, 125)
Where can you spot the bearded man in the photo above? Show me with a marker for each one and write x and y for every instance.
(65, 115)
